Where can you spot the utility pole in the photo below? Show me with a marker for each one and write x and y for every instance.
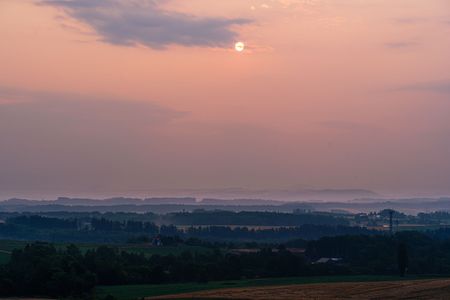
(391, 229)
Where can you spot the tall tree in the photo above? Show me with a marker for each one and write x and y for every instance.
(402, 259)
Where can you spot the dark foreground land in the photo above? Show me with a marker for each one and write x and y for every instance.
(244, 289)
(128, 256)
(413, 289)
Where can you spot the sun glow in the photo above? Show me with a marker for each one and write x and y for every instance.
(239, 46)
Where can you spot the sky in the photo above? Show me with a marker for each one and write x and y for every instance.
(123, 97)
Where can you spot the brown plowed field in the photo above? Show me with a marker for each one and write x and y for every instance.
(414, 289)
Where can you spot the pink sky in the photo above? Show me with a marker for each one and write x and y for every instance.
(123, 96)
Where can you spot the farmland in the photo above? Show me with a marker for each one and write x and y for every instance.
(411, 289)
(214, 289)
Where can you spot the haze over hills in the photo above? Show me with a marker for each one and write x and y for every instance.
(293, 194)
(185, 196)
(176, 204)
(232, 196)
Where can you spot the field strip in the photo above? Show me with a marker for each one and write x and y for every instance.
(415, 289)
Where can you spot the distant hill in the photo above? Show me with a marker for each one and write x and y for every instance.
(288, 194)
(213, 201)
(178, 204)
(98, 202)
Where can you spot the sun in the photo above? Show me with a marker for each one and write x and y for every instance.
(239, 46)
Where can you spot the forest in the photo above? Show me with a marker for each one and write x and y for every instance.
(103, 228)
(46, 270)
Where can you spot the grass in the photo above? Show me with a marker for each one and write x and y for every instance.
(175, 250)
(419, 227)
(4, 257)
(7, 246)
(131, 292)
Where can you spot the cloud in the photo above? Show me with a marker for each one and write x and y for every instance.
(439, 87)
(346, 125)
(144, 22)
(411, 20)
(60, 143)
(56, 140)
(101, 109)
(400, 44)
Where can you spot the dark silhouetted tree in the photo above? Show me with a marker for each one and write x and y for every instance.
(402, 259)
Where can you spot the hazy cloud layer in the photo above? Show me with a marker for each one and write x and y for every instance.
(68, 143)
(400, 44)
(411, 20)
(130, 23)
(63, 141)
(440, 87)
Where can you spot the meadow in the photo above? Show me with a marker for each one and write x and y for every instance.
(6, 247)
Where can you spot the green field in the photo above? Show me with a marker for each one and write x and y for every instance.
(420, 227)
(4, 257)
(131, 292)
(7, 246)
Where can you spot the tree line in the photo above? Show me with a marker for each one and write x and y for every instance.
(35, 227)
(41, 269)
